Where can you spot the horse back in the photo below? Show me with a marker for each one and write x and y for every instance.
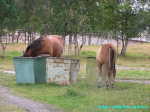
(106, 55)
(56, 45)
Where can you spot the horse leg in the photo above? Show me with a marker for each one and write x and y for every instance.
(108, 84)
(99, 69)
(112, 74)
(111, 78)
(104, 75)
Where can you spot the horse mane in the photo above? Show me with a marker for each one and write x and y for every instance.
(27, 49)
(35, 46)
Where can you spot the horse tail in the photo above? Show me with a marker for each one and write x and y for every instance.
(112, 58)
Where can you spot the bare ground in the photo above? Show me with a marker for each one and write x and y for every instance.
(23, 104)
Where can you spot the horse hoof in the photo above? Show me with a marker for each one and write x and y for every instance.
(112, 86)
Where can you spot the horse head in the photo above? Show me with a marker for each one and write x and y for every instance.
(28, 52)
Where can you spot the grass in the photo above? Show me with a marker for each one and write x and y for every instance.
(83, 96)
(6, 62)
(135, 60)
(87, 54)
(137, 55)
(12, 50)
(133, 74)
(9, 108)
(88, 67)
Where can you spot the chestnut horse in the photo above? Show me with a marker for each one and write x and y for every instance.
(47, 45)
(106, 58)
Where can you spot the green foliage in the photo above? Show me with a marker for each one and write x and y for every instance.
(67, 16)
(8, 15)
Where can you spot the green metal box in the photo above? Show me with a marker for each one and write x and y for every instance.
(30, 69)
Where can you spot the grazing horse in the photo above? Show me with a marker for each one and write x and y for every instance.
(106, 58)
(47, 45)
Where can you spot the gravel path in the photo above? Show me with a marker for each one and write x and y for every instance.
(131, 68)
(134, 81)
(25, 104)
(12, 72)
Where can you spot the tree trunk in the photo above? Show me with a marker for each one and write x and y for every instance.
(89, 40)
(75, 44)
(124, 47)
(13, 37)
(18, 37)
(70, 44)
(3, 46)
(117, 46)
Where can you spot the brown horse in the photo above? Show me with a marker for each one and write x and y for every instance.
(106, 58)
(50, 45)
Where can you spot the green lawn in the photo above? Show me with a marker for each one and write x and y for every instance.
(83, 96)
(133, 74)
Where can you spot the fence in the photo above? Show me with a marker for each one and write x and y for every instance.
(73, 42)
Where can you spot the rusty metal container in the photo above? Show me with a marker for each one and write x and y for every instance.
(62, 71)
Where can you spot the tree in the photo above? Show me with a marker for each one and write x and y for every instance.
(131, 23)
(8, 20)
(120, 20)
(115, 18)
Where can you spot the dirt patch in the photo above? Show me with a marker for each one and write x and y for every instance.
(26, 105)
